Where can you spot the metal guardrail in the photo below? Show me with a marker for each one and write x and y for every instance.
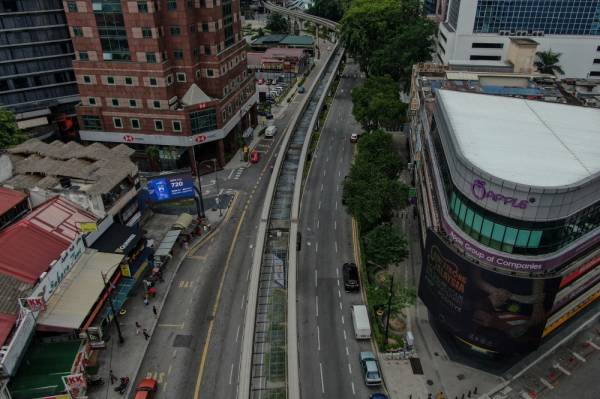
(299, 14)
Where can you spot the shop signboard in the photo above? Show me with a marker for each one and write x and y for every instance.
(75, 384)
(36, 304)
(494, 311)
(171, 187)
(88, 227)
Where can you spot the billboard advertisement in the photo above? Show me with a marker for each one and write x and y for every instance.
(171, 187)
(490, 310)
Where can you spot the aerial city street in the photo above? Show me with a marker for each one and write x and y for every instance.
(299, 199)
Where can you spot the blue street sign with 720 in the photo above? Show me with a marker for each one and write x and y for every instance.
(173, 187)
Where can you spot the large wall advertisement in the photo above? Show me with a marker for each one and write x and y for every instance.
(494, 311)
(171, 187)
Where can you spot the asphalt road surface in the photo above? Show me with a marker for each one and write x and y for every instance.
(328, 351)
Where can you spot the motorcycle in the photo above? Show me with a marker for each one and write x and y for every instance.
(122, 387)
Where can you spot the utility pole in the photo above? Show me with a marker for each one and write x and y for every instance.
(196, 166)
(218, 190)
(389, 306)
(112, 308)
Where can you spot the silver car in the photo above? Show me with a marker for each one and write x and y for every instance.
(370, 368)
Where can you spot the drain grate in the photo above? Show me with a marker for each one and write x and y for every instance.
(415, 363)
(182, 341)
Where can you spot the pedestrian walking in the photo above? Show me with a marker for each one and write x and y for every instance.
(146, 335)
(113, 377)
(138, 327)
(154, 310)
(146, 301)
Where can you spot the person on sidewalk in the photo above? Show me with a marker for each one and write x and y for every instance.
(113, 377)
(154, 310)
(138, 327)
(146, 335)
(146, 301)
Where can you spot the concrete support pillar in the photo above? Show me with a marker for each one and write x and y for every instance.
(221, 153)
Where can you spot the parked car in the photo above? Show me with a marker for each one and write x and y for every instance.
(353, 137)
(301, 89)
(370, 368)
(146, 388)
(350, 273)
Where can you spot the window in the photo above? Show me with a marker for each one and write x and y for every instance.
(205, 27)
(193, 28)
(91, 122)
(158, 124)
(146, 33)
(118, 122)
(178, 54)
(87, 79)
(207, 50)
(210, 73)
(198, 74)
(151, 58)
(596, 60)
(133, 103)
(190, 3)
(171, 5)
(156, 104)
(83, 56)
(598, 48)
(135, 123)
(485, 58)
(203, 121)
(92, 100)
(169, 80)
(175, 30)
(72, 6)
(153, 82)
(181, 77)
(110, 80)
(444, 38)
(115, 102)
(128, 80)
(142, 7)
(77, 31)
(487, 45)
(594, 73)
(177, 126)
(196, 52)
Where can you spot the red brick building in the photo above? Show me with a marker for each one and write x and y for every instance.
(169, 73)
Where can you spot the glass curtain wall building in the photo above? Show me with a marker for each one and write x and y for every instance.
(480, 30)
(36, 76)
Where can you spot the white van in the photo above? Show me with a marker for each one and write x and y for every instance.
(360, 321)
(270, 131)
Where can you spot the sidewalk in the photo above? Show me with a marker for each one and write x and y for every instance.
(125, 359)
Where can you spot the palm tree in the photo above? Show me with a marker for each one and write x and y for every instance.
(547, 62)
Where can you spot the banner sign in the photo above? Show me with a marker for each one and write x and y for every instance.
(36, 304)
(75, 384)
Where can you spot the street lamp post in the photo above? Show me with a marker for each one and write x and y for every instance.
(214, 161)
(112, 308)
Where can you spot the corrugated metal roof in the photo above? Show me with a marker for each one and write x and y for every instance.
(74, 298)
(9, 199)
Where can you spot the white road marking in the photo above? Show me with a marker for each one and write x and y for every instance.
(248, 275)
(339, 173)
(353, 390)
(237, 334)
(322, 382)
(243, 299)
(321, 187)
(319, 204)
(318, 223)
(230, 173)
(345, 336)
(562, 369)
(315, 278)
(335, 224)
(337, 272)
(338, 281)
(347, 351)
(336, 205)
(340, 305)
(317, 305)
(327, 159)
(339, 293)
(336, 247)
(342, 319)
(546, 383)
(231, 374)
(349, 368)
(318, 339)
(323, 172)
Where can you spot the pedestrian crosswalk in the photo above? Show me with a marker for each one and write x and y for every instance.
(237, 173)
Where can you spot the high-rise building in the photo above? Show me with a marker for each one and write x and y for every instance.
(36, 75)
(171, 74)
(478, 32)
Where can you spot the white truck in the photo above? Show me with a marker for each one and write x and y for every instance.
(360, 321)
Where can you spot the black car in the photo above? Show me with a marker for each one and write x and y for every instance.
(350, 273)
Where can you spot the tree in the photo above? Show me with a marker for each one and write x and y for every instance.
(277, 23)
(330, 9)
(385, 244)
(387, 36)
(547, 62)
(260, 32)
(376, 150)
(10, 134)
(376, 103)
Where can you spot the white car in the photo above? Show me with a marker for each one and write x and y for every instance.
(270, 131)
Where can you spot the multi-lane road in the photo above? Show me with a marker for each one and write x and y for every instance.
(328, 351)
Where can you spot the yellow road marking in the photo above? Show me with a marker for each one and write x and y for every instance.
(216, 306)
(197, 257)
(180, 326)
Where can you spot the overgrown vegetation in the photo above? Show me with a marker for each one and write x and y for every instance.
(277, 23)
(376, 103)
(10, 134)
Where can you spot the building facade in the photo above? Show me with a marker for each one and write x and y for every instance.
(36, 76)
(170, 74)
(508, 197)
(479, 31)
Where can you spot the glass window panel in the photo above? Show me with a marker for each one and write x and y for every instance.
(522, 238)
(498, 232)
(477, 222)
(510, 236)
(469, 218)
(486, 228)
(463, 211)
(534, 239)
